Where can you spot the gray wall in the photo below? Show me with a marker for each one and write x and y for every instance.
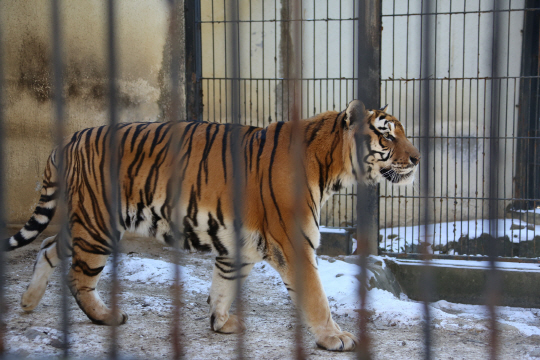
(142, 31)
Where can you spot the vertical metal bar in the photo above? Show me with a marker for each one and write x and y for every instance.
(3, 234)
(63, 237)
(425, 116)
(176, 144)
(493, 281)
(468, 134)
(236, 144)
(294, 61)
(193, 53)
(528, 102)
(368, 65)
(477, 123)
(448, 141)
(113, 188)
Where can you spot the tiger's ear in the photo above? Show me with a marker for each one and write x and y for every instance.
(356, 112)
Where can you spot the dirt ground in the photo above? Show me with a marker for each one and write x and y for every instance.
(269, 317)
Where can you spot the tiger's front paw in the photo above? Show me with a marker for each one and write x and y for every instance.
(227, 324)
(340, 341)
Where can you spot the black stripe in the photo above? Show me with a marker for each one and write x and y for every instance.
(47, 258)
(308, 240)
(262, 138)
(220, 213)
(213, 228)
(47, 198)
(79, 265)
(156, 140)
(272, 158)
(314, 132)
(336, 120)
(34, 225)
(232, 277)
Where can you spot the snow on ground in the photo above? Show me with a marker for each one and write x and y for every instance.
(534, 211)
(340, 282)
(395, 326)
(341, 285)
(332, 230)
(152, 271)
(395, 239)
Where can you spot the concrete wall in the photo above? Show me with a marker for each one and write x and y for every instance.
(141, 37)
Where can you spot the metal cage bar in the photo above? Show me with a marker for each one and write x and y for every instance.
(3, 231)
(63, 244)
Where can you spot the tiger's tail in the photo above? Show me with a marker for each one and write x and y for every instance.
(44, 211)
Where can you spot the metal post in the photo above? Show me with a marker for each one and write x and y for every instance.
(368, 68)
(113, 194)
(176, 144)
(493, 281)
(233, 47)
(63, 236)
(193, 53)
(527, 165)
(3, 199)
(427, 58)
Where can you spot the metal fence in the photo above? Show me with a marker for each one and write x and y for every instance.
(259, 62)
(481, 96)
(461, 82)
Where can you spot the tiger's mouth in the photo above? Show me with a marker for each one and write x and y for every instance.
(399, 176)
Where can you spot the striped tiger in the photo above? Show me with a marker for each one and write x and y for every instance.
(148, 162)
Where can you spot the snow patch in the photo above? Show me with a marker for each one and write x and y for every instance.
(395, 239)
(341, 285)
(151, 271)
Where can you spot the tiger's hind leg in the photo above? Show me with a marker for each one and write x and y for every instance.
(90, 253)
(46, 262)
(222, 294)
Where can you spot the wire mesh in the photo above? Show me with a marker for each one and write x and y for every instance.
(327, 80)
(459, 140)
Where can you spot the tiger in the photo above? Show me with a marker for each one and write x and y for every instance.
(158, 158)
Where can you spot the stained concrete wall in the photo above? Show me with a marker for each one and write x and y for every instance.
(141, 37)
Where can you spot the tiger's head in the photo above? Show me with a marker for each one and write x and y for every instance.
(387, 152)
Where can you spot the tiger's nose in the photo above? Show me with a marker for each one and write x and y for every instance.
(415, 159)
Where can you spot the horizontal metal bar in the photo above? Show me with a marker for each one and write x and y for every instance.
(440, 198)
(385, 80)
(450, 198)
(354, 18)
(462, 12)
(274, 20)
(416, 256)
(274, 78)
(474, 137)
(465, 78)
